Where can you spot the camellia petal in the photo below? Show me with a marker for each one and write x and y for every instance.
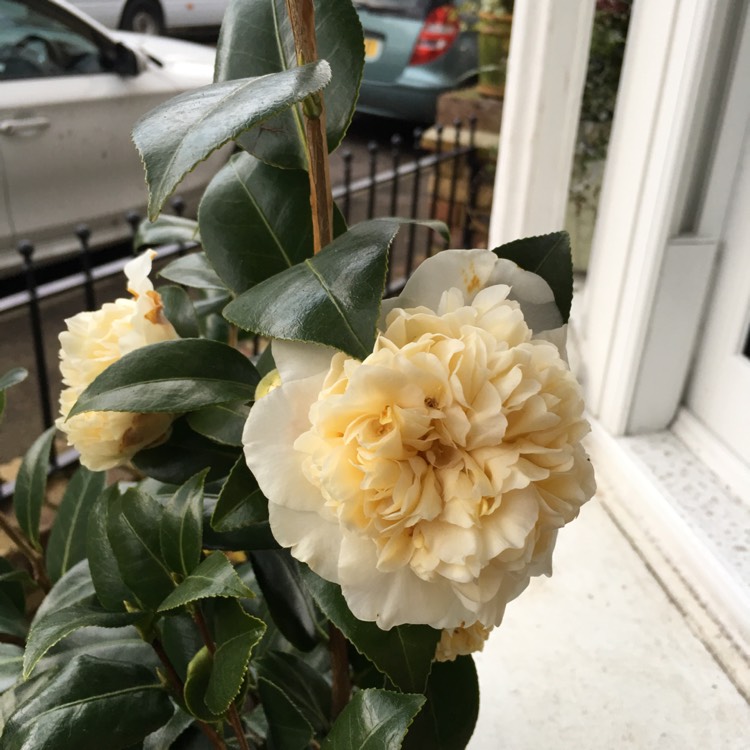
(429, 480)
(456, 642)
(95, 340)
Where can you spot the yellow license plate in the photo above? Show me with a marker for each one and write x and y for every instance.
(372, 48)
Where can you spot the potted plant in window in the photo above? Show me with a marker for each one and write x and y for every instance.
(495, 18)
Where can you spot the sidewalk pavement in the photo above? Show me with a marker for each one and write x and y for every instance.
(601, 657)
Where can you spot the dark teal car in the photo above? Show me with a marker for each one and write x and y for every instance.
(415, 50)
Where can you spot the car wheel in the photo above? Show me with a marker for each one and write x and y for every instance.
(143, 16)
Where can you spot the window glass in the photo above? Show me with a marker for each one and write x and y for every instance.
(37, 41)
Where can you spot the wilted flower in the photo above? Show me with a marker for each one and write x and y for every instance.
(95, 340)
(430, 479)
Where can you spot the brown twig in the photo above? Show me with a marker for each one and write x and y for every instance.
(302, 18)
(233, 715)
(342, 684)
(179, 687)
(35, 558)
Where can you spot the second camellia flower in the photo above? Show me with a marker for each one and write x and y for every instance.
(92, 342)
(430, 479)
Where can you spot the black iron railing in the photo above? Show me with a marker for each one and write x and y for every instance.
(406, 186)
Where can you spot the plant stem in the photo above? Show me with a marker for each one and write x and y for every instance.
(342, 685)
(24, 547)
(178, 687)
(232, 714)
(302, 18)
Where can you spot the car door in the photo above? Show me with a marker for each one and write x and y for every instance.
(65, 124)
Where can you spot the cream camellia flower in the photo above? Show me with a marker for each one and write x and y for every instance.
(461, 641)
(93, 341)
(430, 479)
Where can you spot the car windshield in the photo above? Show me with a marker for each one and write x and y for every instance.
(409, 8)
(36, 41)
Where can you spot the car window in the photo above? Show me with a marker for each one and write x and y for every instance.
(36, 42)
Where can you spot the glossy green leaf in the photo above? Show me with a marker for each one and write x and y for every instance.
(548, 255)
(171, 376)
(181, 640)
(20, 577)
(166, 230)
(183, 453)
(12, 620)
(265, 362)
(373, 720)
(179, 310)
(7, 380)
(181, 528)
(287, 727)
(74, 587)
(11, 664)
(12, 581)
(303, 685)
(175, 136)
(89, 705)
(13, 377)
(404, 653)
(256, 38)
(19, 694)
(222, 423)
(216, 328)
(174, 728)
(67, 541)
(193, 270)
(196, 686)
(240, 503)
(257, 536)
(287, 597)
(214, 577)
(114, 644)
(236, 635)
(31, 484)
(48, 630)
(447, 720)
(105, 574)
(133, 531)
(212, 304)
(332, 299)
(256, 221)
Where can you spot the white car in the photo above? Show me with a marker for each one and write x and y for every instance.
(155, 16)
(70, 93)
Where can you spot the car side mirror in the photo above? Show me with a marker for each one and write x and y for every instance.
(124, 60)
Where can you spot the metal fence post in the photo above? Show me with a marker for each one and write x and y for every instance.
(84, 235)
(395, 164)
(472, 185)
(178, 206)
(457, 125)
(372, 148)
(134, 219)
(414, 207)
(347, 156)
(436, 180)
(26, 249)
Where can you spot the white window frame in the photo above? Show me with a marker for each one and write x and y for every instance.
(667, 187)
(651, 260)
